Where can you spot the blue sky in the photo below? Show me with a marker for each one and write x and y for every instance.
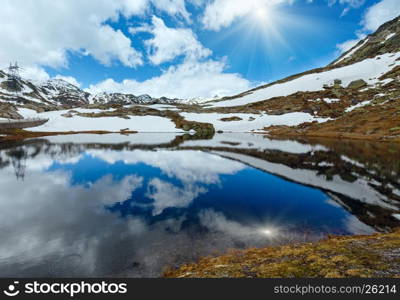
(181, 48)
(262, 57)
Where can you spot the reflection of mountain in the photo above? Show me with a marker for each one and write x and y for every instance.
(368, 187)
(19, 154)
(362, 197)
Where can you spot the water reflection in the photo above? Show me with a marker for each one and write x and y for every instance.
(117, 205)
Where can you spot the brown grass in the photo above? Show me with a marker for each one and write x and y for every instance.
(380, 121)
(19, 134)
(231, 119)
(376, 255)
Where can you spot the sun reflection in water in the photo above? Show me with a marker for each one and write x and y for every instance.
(269, 231)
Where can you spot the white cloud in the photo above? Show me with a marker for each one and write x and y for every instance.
(173, 7)
(43, 32)
(221, 13)
(193, 167)
(380, 13)
(347, 45)
(192, 78)
(134, 7)
(188, 80)
(350, 3)
(167, 195)
(169, 43)
(38, 75)
(69, 79)
(35, 74)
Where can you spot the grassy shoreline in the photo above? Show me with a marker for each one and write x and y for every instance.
(375, 255)
(281, 133)
(20, 134)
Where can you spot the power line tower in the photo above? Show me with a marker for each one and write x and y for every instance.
(13, 71)
(18, 159)
(14, 78)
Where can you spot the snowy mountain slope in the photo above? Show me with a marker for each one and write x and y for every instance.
(62, 92)
(385, 40)
(368, 70)
(59, 93)
(54, 92)
(127, 99)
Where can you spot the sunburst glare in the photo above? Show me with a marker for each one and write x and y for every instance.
(269, 231)
(264, 27)
(262, 14)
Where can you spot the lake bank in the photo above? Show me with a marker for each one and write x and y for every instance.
(372, 256)
(20, 134)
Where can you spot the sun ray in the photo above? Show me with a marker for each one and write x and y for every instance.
(263, 29)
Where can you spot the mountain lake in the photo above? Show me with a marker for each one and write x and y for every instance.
(134, 205)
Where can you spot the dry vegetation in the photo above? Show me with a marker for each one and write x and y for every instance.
(20, 134)
(205, 129)
(355, 256)
(231, 119)
(372, 122)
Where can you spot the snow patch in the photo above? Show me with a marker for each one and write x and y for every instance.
(246, 125)
(390, 36)
(353, 162)
(355, 49)
(58, 123)
(361, 104)
(330, 101)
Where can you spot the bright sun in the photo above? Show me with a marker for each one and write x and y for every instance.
(262, 14)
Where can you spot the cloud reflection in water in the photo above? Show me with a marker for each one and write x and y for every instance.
(147, 209)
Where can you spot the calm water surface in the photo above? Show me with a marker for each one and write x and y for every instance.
(115, 205)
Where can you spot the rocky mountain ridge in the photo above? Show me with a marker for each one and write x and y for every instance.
(385, 40)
